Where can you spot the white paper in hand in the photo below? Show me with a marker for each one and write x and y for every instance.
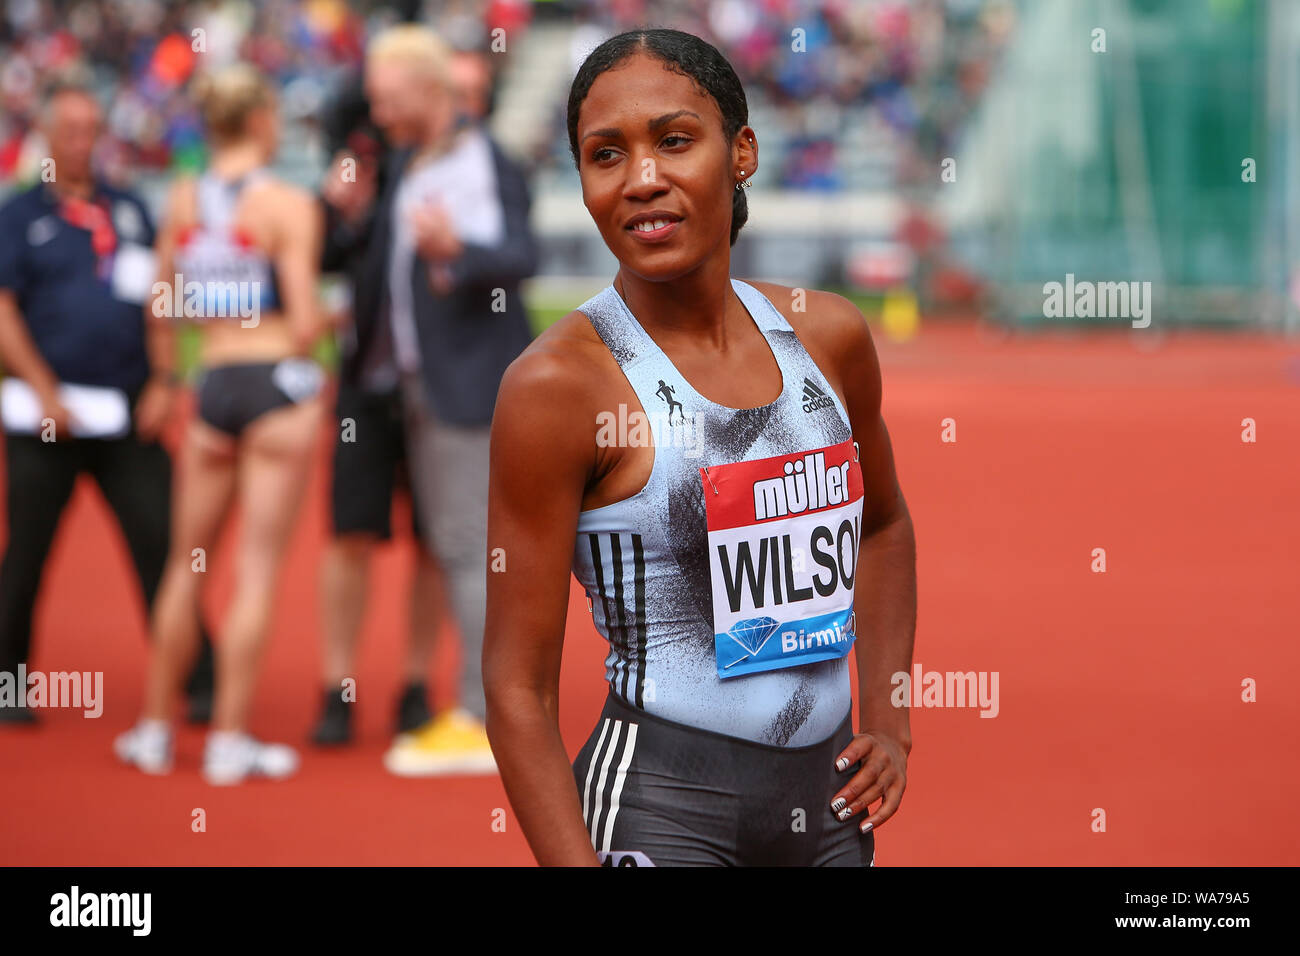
(95, 412)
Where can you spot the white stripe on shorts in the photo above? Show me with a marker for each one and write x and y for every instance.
(619, 779)
(591, 769)
(600, 781)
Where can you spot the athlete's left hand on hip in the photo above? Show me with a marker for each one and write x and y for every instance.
(883, 775)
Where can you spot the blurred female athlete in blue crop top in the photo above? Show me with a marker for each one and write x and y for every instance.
(238, 255)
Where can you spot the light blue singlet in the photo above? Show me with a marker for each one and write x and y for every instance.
(724, 589)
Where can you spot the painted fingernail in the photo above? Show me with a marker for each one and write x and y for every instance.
(867, 826)
(839, 804)
(841, 763)
(843, 814)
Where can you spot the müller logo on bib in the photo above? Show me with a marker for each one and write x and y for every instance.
(783, 552)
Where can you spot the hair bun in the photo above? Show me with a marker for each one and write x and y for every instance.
(225, 97)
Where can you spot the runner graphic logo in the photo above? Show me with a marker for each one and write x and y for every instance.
(813, 397)
(668, 393)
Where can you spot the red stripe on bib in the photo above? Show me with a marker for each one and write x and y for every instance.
(768, 489)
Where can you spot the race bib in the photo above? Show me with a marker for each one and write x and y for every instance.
(783, 552)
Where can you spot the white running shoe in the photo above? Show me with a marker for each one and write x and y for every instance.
(231, 756)
(147, 746)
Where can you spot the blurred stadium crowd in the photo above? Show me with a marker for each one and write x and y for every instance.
(890, 85)
(869, 92)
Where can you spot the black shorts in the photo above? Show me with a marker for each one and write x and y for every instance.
(658, 792)
(232, 397)
(370, 462)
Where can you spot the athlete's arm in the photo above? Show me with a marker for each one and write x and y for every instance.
(297, 264)
(179, 212)
(158, 395)
(885, 583)
(835, 333)
(156, 400)
(542, 455)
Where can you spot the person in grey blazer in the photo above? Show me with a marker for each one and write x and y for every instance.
(439, 315)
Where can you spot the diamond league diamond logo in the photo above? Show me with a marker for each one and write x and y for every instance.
(753, 632)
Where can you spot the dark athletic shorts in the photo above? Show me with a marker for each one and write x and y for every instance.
(232, 397)
(369, 468)
(655, 792)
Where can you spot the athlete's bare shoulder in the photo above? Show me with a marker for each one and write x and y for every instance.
(181, 185)
(567, 366)
(291, 202)
(833, 331)
(572, 343)
(824, 317)
(181, 202)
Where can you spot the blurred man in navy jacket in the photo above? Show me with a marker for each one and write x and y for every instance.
(74, 269)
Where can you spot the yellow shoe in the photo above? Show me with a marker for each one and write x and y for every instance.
(454, 742)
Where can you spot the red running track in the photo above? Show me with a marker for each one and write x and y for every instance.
(1120, 691)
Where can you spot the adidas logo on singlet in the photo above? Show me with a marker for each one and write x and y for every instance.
(813, 397)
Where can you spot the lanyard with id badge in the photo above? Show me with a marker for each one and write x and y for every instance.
(783, 549)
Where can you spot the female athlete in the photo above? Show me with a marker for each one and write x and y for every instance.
(238, 254)
(708, 456)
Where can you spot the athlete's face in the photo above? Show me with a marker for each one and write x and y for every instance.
(650, 141)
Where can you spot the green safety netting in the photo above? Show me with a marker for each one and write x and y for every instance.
(1127, 165)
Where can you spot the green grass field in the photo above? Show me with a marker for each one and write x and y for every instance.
(543, 312)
